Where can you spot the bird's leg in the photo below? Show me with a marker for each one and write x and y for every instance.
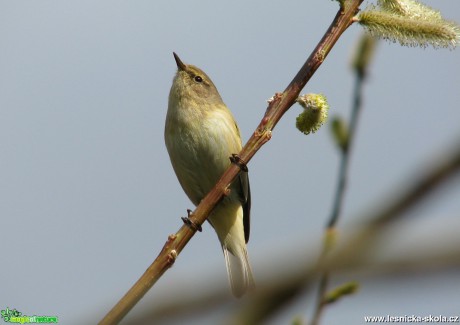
(189, 222)
(235, 159)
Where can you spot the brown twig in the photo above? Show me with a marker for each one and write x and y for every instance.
(276, 109)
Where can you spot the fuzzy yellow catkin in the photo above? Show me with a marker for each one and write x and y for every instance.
(410, 8)
(315, 112)
(410, 32)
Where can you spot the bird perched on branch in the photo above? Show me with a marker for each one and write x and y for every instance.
(201, 135)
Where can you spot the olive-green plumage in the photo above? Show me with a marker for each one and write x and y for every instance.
(201, 134)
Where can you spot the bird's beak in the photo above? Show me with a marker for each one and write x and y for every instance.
(180, 64)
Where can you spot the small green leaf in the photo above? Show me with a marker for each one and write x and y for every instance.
(343, 290)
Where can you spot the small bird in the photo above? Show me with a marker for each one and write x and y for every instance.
(201, 135)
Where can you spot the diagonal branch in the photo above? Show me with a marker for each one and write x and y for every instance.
(276, 109)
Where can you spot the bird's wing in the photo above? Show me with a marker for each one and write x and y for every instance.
(246, 202)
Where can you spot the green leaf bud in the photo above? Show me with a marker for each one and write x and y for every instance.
(343, 290)
(340, 133)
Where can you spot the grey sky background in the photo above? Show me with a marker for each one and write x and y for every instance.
(88, 195)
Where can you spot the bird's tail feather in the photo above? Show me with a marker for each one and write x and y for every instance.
(238, 269)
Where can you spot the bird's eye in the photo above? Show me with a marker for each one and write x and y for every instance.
(198, 79)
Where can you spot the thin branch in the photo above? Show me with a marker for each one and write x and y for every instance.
(276, 109)
(320, 303)
(340, 191)
(345, 159)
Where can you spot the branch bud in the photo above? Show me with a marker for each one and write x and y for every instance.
(339, 130)
(364, 53)
(343, 290)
